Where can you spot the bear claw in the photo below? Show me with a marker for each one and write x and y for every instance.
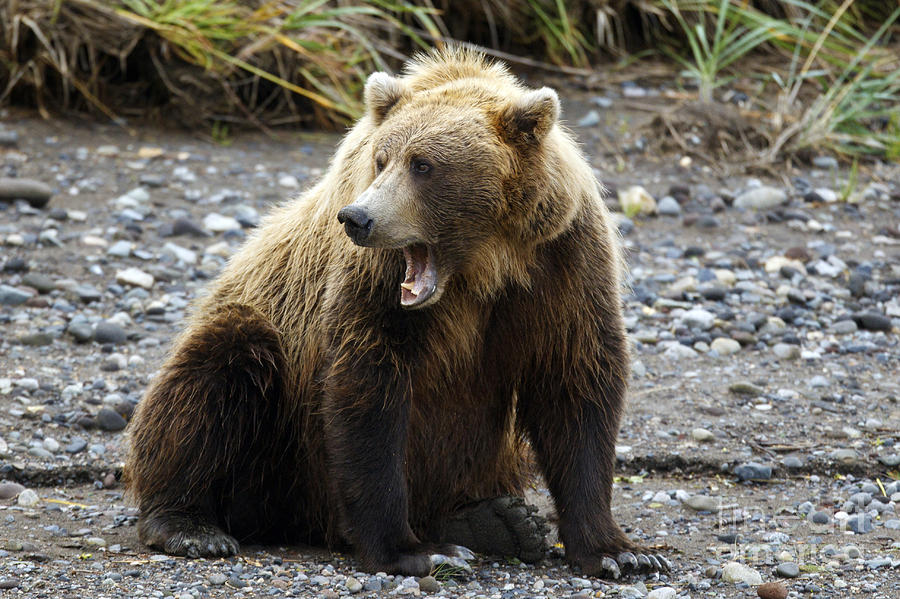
(460, 560)
(203, 542)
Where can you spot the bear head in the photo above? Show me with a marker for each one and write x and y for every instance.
(462, 178)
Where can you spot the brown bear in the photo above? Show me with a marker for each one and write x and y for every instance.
(388, 349)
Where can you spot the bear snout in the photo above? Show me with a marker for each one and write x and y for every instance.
(357, 223)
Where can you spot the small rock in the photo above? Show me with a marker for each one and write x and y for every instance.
(28, 498)
(183, 254)
(108, 332)
(701, 435)
(872, 321)
(82, 332)
(10, 490)
(860, 524)
(120, 249)
(9, 583)
(662, 593)
(843, 327)
(41, 282)
(76, 445)
(787, 570)
(772, 590)
(724, 346)
(109, 420)
(736, 572)
(217, 580)
(288, 182)
(698, 318)
(34, 192)
(429, 584)
(820, 518)
(353, 585)
(134, 277)
(218, 223)
(786, 351)
(636, 200)
(704, 503)
(184, 226)
(12, 296)
(591, 119)
(746, 388)
(760, 198)
(753, 471)
(825, 162)
(669, 206)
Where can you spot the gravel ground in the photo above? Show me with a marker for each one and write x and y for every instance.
(761, 441)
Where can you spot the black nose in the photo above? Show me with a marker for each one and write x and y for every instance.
(357, 223)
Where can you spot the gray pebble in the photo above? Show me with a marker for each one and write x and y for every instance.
(41, 282)
(760, 198)
(109, 332)
(217, 579)
(787, 570)
(429, 584)
(11, 296)
(753, 471)
(110, 420)
(87, 293)
(82, 332)
(873, 321)
(34, 192)
(591, 119)
(668, 206)
(860, 524)
(820, 518)
(76, 445)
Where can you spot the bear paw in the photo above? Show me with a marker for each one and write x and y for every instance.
(505, 526)
(185, 535)
(203, 541)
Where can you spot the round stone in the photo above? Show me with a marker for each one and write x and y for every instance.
(736, 572)
(701, 435)
(429, 584)
(753, 471)
(109, 332)
(110, 420)
(787, 570)
(724, 346)
(772, 590)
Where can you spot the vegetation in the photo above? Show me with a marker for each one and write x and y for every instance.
(821, 73)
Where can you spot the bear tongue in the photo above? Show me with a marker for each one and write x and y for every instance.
(421, 277)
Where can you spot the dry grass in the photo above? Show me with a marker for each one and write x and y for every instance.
(214, 63)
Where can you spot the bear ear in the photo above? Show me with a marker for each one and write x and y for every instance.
(381, 93)
(530, 118)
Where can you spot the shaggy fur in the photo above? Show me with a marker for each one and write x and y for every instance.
(302, 388)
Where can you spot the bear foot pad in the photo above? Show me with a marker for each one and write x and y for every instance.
(184, 536)
(504, 526)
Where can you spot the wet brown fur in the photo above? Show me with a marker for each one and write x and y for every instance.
(299, 370)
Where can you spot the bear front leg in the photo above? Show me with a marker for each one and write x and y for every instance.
(571, 415)
(366, 415)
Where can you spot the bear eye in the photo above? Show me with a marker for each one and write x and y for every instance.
(379, 164)
(420, 166)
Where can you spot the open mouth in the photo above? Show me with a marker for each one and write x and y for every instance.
(420, 281)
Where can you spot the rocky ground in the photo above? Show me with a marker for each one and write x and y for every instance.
(761, 441)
